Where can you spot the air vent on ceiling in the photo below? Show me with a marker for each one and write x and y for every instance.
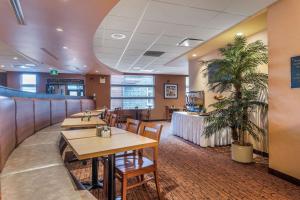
(18, 11)
(188, 42)
(49, 53)
(154, 53)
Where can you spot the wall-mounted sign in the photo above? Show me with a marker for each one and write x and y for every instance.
(295, 72)
(54, 72)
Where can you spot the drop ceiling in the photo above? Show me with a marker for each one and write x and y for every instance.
(158, 25)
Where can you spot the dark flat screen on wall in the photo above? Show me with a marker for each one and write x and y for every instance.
(295, 72)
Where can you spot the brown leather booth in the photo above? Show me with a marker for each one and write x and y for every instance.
(58, 110)
(87, 104)
(42, 114)
(7, 128)
(73, 106)
(24, 119)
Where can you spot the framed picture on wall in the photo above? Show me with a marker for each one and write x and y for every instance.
(170, 91)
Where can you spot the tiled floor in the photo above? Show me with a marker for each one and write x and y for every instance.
(187, 171)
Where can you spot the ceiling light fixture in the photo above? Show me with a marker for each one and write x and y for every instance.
(24, 67)
(65, 47)
(239, 34)
(147, 70)
(188, 42)
(18, 11)
(50, 68)
(2, 66)
(194, 55)
(118, 36)
(136, 68)
(85, 66)
(58, 29)
(97, 71)
(15, 58)
(30, 65)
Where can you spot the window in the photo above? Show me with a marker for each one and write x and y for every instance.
(130, 91)
(28, 83)
(187, 84)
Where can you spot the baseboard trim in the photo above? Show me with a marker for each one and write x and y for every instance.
(284, 176)
(263, 154)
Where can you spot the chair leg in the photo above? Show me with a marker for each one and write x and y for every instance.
(156, 184)
(124, 187)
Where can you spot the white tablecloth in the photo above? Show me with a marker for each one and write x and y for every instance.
(191, 127)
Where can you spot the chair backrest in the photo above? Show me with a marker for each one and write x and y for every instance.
(151, 130)
(132, 125)
(107, 117)
(113, 120)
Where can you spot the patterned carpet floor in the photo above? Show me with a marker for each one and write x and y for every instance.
(189, 172)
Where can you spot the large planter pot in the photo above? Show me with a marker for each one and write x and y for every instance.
(242, 154)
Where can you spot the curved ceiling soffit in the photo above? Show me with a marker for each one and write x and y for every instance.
(39, 39)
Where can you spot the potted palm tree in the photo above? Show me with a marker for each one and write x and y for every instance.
(236, 75)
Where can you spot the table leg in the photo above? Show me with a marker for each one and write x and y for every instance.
(95, 182)
(111, 177)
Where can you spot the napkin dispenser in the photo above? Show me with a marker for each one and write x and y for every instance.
(103, 131)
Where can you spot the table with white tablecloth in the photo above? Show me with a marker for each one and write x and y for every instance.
(191, 126)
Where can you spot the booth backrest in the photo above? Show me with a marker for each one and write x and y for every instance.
(58, 110)
(87, 104)
(42, 115)
(7, 128)
(24, 119)
(73, 106)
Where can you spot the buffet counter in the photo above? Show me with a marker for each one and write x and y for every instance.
(191, 126)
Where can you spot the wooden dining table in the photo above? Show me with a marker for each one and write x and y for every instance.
(86, 145)
(92, 113)
(70, 123)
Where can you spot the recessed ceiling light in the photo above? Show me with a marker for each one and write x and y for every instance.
(97, 71)
(74, 58)
(30, 65)
(50, 68)
(15, 58)
(239, 34)
(118, 36)
(84, 66)
(2, 66)
(65, 47)
(24, 67)
(137, 68)
(194, 55)
(147, 70)
(58, 29)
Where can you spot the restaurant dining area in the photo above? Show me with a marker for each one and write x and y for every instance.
(149, 100)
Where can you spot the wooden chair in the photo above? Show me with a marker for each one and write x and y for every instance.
(113, 120)
(132, 125)
(107, 118)
(137, 165)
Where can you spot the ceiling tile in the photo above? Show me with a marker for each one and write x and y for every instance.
(169, 13)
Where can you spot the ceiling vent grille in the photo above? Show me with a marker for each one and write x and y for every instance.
(16, 6)
(49, 53)
(154, 53)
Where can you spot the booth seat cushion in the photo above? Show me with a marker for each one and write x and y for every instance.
(42, 114)
(55, 127)
(24, 119)
(73, 106)
(50, 137)
(87, 104)
(51, 183)
(7, 129)
(58, 110)
(30, 157)
(86, 195)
